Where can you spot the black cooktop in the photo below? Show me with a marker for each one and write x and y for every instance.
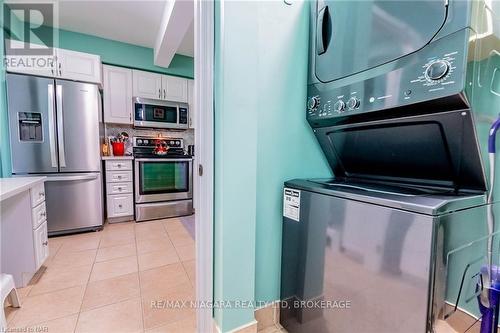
(145, 147)
(172, 153)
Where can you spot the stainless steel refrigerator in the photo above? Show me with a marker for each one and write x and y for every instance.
(54, 131)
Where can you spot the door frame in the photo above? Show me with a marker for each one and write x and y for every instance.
(204, 142)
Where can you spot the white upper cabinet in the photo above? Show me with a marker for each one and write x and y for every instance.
(158, 86)
(192, 107)
(16, 60)
(78, 66)
(174, 88)
(117, 85)
(147, 85)
(65, 64)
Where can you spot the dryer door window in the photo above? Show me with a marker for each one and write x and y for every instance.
(353, 36)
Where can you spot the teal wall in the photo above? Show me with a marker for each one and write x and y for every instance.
(123, 54)
(5, 169)
(287, 148)
(236, 121)
(261, 140)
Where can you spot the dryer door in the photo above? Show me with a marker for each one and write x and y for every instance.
(353, 36)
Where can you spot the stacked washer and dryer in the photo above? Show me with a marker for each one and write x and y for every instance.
(401, 98)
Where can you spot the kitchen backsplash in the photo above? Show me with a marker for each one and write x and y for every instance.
(115, 129)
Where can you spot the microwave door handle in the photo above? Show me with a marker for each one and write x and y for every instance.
(52, 126)
(60, 126)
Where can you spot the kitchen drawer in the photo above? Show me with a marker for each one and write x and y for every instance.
(37, 194)
(41, 244)
(120, 205)
(117, 165)
(39, 215)
(119, 188)
(118, 176)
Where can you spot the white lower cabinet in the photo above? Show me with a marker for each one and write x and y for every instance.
(120, 205)
(23, 235)
(41, 244)
(119, 190)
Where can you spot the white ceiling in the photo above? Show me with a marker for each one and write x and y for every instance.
(129, 21)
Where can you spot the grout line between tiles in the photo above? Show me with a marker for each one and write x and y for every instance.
(85, 288)
(140, 283)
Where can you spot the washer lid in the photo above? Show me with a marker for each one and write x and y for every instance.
(414, 200)
(353, 36)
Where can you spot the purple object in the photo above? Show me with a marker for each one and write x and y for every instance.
(489, 314)
(492, 137)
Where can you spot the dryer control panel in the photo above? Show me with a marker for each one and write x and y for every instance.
(436, 71)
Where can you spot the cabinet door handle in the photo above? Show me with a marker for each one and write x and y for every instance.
(159, 93)
(164, 93)
(120, 206)
(119, 189)
(41, 194)
(119, 165)
(45, 243)
(43, 214)
(60, 71)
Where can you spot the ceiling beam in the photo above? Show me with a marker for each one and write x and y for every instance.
(177, 17)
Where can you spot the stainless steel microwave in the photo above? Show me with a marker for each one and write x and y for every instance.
(154, 113)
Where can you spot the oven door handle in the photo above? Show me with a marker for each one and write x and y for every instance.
(181, 159)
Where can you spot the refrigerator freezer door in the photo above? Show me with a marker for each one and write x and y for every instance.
(77, 107)
(32, 124)
(73, 202)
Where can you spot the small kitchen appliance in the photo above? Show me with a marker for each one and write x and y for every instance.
(163, 178)
(153, 113)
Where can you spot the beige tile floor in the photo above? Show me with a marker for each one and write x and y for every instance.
(111, 281)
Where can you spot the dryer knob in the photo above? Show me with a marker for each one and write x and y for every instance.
(313, 103)
(437, 70)
(339, 106)
(353, 103)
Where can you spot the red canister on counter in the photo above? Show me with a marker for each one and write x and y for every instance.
(118, 148)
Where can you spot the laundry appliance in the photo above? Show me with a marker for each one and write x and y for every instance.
(401, 99)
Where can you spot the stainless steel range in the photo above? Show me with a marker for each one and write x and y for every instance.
(163, 178)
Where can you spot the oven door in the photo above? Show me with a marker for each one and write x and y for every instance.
(163, 179)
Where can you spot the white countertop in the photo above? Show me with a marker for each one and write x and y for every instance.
(9, 187)
(104, 158)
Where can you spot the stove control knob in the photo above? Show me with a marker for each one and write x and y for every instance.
(145, 142)
(177, 143)
(313, 103)
(139, 141)
(437, 70)
(353, 103)
(339, 106)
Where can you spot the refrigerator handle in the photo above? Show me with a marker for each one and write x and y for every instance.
(52, 125)
(60, 126)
